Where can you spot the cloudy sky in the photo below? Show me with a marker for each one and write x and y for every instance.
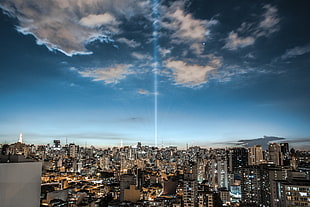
(94, 71)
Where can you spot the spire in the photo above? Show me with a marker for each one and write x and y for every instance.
(20, 138)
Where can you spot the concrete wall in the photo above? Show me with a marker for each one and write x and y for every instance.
(20, 184)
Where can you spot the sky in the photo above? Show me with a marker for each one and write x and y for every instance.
(196, 72)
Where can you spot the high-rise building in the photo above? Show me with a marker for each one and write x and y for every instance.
(275, 155)
(285, 153)
(205, 199)
(217, 173)
(132, 194)
(73, 150)
(201, 169)
(294, 193)
(250, 185)
(56, 143)
(105, 162)
(190, 190)
(268, 174)
(190, 193)
(20, 138)
(225, 196)
(125, 181)
(258, 184)
(255, 155)
(238, 157)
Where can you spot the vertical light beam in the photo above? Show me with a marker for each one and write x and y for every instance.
(155, 62)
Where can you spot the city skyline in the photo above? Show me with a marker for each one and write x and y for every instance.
(85, 71)
(144, 175)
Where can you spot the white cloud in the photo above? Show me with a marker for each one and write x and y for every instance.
(230, 71)
(164, 51)
(197, 48)
(130, 43)
(108, 75)
(94, 20)
(296, 51)
(141, 56)
(234, 42)
(192, 75)
(268, 25)
(69, 25)
(270, 22)
(146, 92)
(143, 92)
(184, 27)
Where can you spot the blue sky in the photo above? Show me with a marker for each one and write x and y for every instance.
(84, 71)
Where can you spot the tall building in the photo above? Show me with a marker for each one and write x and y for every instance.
(275, 155)
(205, 199)
(217, 171)
(73, 150)
(190, 193)
(20, 184)
(285, 153)
(132, 194)
(125, 181)
(255, 155)
(190, 190)
(201, 169)
(250, 185)
(268, 173)
(225, 196)
(238, 158)
(105, 162)
(20, 138)
(294, 193)
(259, 184)
(222, 174)
(57, 144)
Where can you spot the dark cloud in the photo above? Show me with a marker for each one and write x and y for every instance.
(296, 51)
(259, 141)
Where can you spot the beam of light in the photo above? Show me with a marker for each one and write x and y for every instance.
(155, 62)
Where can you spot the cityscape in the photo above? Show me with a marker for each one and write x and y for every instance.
(70, 175)
(154, 103)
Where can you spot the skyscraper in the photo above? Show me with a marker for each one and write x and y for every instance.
(125, 181)
(190, 185)
(275, 155)
(238, 157)
(250, 185)
(255, 155)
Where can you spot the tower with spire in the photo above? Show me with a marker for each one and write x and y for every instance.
(20, 138)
